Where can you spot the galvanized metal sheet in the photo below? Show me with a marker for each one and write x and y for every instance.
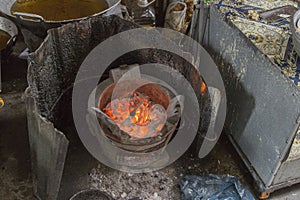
(288, 171)
(48, 150)
(263, 104)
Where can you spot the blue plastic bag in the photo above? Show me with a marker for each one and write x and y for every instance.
(213, 187)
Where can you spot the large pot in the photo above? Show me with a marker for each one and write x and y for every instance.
(9, 27)
(91, 194)
(37, 24)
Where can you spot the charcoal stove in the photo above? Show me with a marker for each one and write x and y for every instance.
(55, 102)
(137, 150)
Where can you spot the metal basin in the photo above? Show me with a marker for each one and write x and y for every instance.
(9, 27)
(91, 194)
(38, 24)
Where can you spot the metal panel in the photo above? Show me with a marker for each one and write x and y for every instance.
(263, 104)
(288, 171)
(48, 150)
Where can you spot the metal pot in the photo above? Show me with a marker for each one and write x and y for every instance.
(37, 24)
(91, 194)
(9, 27)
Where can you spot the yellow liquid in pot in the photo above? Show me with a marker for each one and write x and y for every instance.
(60, 10)
(4, 38)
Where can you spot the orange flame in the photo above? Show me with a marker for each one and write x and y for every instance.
(133, 115)
(202, 87)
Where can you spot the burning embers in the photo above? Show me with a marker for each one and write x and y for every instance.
(137, 115)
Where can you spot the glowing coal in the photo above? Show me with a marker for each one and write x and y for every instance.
(137, 115)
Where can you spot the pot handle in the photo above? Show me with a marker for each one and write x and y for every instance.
(29, 16)
(12, 40)
(144, 3)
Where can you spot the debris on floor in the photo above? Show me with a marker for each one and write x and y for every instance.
(125, 186)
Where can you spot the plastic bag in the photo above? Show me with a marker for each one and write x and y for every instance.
(175, 16)
(213, 187)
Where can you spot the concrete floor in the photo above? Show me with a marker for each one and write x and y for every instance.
(15, 173)
(15, 178)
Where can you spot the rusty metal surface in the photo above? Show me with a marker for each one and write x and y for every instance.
(260, 98)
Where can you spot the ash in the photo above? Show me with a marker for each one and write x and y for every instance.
(160, 185)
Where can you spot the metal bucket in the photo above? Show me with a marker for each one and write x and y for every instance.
(37, 24)
(91, 194)
(9, 27)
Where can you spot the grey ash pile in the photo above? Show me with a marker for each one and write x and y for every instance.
(160, 185)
